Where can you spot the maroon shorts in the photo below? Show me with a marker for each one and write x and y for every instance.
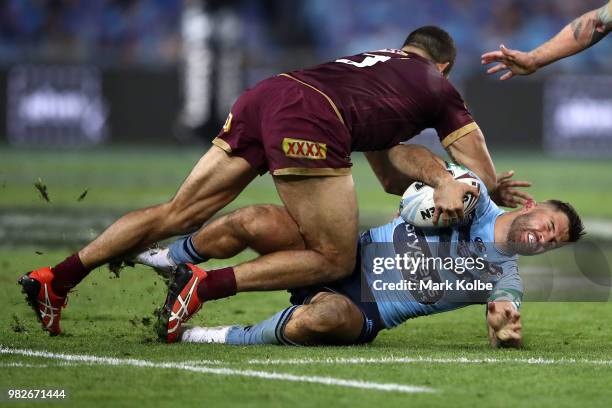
(287, 127)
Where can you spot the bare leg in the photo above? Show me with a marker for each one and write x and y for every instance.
(263, 228)
(214, 182)
(328, 319)
(325, 208)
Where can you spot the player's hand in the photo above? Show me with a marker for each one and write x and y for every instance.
(506, 194)
(505, 324)
(448, 199)
(513, 61)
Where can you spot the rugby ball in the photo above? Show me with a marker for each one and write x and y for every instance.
(417, 204)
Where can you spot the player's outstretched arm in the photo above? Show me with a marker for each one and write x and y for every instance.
(504, 325)
(580, 34)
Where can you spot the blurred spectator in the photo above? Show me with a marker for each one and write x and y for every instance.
(349, 26)
(97, 31)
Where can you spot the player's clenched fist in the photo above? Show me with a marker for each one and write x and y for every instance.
(448, 200)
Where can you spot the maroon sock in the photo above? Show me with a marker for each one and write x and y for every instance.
(220, 283)
(67, 274)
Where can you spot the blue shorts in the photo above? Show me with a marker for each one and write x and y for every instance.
(357, 291)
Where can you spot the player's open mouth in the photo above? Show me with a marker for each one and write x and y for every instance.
(531, 240)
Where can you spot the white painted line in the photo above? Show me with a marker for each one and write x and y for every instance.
(18, 364)
(204, 362)
(24, 365)
(427, 360)
(89, 359)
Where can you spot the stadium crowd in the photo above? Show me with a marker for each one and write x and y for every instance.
(119, 32)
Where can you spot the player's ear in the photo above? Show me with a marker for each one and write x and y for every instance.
(442, 67)
(529, 205)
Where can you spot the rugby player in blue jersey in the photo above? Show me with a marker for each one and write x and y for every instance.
(482, 251)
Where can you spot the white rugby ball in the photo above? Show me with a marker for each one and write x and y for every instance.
(417, 205)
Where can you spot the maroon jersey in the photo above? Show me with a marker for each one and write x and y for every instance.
(386, 97)
(308, 122)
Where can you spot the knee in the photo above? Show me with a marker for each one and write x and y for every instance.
(258, 221)
(328, 317)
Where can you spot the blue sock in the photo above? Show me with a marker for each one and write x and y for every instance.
(182, 251)
(270, 331)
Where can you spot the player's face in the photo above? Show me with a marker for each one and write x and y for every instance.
(539, 229)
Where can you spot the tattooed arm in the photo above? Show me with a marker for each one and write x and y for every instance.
(580, 34)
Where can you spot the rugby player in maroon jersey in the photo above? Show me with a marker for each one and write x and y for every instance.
(302, 127)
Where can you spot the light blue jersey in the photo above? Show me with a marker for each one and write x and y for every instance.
(470, 268)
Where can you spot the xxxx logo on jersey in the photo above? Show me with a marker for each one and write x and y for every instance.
(304, 149)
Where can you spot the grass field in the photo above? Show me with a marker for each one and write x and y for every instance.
(129, 178)
(567, 359)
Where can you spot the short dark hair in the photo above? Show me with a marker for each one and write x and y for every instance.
(576, 228)
(436, 42)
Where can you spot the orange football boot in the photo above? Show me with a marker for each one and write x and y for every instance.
(181, 303)
(47, 306)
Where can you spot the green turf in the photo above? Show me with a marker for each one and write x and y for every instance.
(112, 317)
(129, 178)
(105, 318)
